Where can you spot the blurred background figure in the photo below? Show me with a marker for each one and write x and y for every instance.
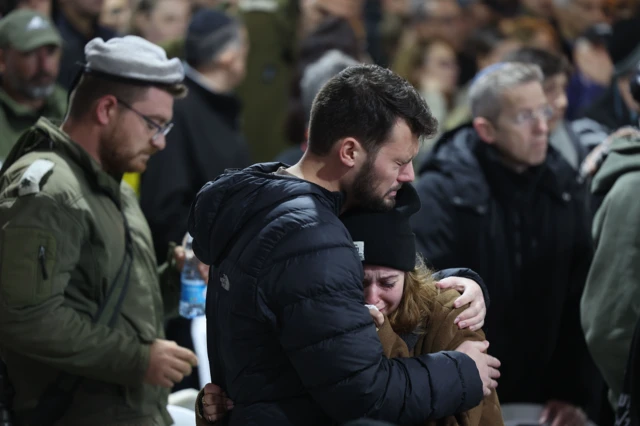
(332, 33)
(533, 32)
(432, 68)
(41, 6)
(314, 76)
(273, 28)
(616, 107)
(116, 14)
(206, 137)
(29, 64)
(205, 140)
(556, 71)
(78, 22)
(539, 8)
(575, 17)
(161, 21)
(444, 19)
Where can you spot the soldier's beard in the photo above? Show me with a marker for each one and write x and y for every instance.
(31, 91)
(38, 92)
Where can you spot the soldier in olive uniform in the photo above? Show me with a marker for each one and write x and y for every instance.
(82, 305)
(272, 26)
(29, 63)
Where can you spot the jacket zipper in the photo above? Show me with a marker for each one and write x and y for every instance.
(43, 262)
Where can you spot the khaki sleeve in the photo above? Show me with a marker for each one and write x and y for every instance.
(447, 337)
(40, 244)
(392, 345)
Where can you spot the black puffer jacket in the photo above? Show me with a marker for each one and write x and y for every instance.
(289, 337)
(528, 237)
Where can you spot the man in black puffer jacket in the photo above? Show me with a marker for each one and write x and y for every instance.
(290, 339)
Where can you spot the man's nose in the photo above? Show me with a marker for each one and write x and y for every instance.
(160, 142)
(407, 174)
(47, 62)
(542, 125)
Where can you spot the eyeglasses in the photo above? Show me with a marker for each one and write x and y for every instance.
(152, 125)
(530, 117)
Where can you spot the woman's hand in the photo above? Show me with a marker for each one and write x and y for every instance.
(473, 316)
(377, 316)
(215, 403)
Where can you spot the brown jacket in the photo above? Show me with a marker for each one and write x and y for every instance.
(439, 334)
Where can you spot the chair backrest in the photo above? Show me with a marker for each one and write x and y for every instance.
(182, 416)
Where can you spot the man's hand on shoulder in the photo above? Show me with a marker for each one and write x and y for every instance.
(486, 364)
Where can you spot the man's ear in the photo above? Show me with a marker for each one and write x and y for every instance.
(105, 109)
(350, 151)
(225, 57)
(485, 130)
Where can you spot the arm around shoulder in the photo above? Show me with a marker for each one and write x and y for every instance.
(332, 343)
(441, 334)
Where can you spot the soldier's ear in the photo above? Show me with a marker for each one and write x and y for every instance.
(106, 110)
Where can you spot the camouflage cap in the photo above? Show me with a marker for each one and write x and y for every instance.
(26, 30)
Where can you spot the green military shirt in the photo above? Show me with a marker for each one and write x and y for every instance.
(62, 245)
(610, 305)
(15, 118)
(272, 26)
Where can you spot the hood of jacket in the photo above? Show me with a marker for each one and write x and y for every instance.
(454, 157)
(224, 206)
(623, 157)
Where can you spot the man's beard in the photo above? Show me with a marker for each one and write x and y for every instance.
(34, 92)
(363, 190)
(38, 92)
(113, 158)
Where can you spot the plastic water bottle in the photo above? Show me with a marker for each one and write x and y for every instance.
(193, 292)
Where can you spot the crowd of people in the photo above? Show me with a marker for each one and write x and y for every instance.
(407, 211)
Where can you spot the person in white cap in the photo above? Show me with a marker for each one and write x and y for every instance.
(82, 305)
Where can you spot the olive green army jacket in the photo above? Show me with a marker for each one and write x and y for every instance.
(62, 243)
(16, 118)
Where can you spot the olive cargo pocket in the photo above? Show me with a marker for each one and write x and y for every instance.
(26, 266)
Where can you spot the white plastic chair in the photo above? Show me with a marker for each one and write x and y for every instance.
(182, 416)
(185, 398)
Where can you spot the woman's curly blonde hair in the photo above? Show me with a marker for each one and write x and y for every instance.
(417, 299)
